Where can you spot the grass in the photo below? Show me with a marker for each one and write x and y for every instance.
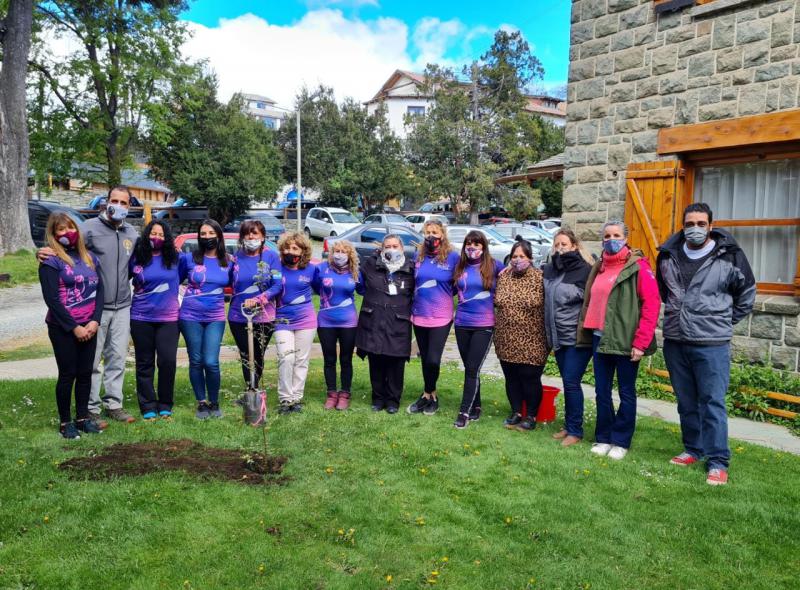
(379, 501)
(33, 350)
(22, 266)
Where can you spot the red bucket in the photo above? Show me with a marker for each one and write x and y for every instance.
(547, 409)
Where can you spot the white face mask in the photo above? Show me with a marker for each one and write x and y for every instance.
(116, 212)
(252, 245)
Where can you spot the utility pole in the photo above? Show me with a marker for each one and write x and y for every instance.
(299, 187)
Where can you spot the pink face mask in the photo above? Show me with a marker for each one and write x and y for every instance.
(69, 238)
(473, 253)
(520, 265)
(156, 243)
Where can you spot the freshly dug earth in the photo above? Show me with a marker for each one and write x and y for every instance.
(178, 455)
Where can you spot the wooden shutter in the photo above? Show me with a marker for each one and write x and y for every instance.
(650, 202)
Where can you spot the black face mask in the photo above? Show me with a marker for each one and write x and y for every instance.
(432, 243)
(207, 244)
(290, 259)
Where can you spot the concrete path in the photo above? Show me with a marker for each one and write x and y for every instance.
(22, 315)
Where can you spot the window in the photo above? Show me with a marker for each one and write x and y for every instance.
(416, 111)
(261, 105)
(324, 217)
(270, 122)
(372, 219)
(373, 235)
(408, 239)
(344, 218)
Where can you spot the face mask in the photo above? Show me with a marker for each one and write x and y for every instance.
(696, 236)
(613, 246)
(117, 212)
(290, 259)
(252, 245)
(207, 244)
(340, 259)
(156, 243)
(562, 250)
(393, 256)
(69, 239)
(473, 253)
(432, 243)
(520, 265)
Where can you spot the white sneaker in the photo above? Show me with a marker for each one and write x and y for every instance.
(617, 453)
(600, 448)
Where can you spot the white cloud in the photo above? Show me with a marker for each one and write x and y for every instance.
(348, 3)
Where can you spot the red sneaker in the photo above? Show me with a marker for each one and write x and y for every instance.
(333, 399)
(344, 400)
(684, 460)
(717, 477)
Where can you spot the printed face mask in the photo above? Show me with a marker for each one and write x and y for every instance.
(252, 245)
(117, 212)
(156, 243)
(68, 239)
(613, 246)
(520, 265)
(207, 244)
(696, 236)
(393, 256)
(340, 259)
(290, 259)
(473, 253)
(432, 243)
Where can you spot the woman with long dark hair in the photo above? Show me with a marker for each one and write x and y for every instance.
(207, 270)
(476, 279)
(154, 317)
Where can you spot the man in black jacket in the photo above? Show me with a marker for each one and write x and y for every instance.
(707, 286)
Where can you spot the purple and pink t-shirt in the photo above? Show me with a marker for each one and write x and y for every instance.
(337, 308)
(433, 292)
(204, 298)
(77, 287)
(155, 291)
(475, 304)
(255, 276)
(294, 305)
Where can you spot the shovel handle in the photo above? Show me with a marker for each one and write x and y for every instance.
(250, 312)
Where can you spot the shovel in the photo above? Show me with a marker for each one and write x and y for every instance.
(253, 400)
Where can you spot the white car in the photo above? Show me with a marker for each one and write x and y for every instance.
(551, 225)
(329, 221)
(499, 246)
(387, 218)
(419, 219)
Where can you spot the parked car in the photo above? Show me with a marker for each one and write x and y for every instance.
(288, 209)
(551, 225)
(499, 246)
(322, 222)
(98, 204)
(526, 232)
(494, 211)
(387, 218)
(272, 226)
(38, 214)
(440, 208)
(417, 220)
(368, 237)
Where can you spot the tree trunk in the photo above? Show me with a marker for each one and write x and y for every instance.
(114, 160)
(14, 149)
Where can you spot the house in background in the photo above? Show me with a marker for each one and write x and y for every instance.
(263, 109)
(670, 102)
(138, 179)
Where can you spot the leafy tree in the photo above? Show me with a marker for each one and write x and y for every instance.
(552, 192)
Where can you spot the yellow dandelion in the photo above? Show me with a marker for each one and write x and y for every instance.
(423, 471)
(389, 579)
(46, 519)
(445, 559)
(329, 470)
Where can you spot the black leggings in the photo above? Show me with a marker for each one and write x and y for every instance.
(346, 337)
(155, 343)
(473, 346)
(523, 385)
(431, 346)
(262, 333)
(75, 361)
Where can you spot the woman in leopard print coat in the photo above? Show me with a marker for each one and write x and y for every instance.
(520, 340)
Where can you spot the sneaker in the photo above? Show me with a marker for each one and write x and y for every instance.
(203, 411)
(462, 420)
(378, 406)
(512, 420)
(617, 453)
(570, 440)
(560, 435)
(527, 424)
(601, 449)
(684, 460)
(285, 408)
(98, 419)
(214, 410)
(149, 416)
(344, 400)
(432, 407)
(296, 407)
(88, 426)
(475, 414)
(165, 415)
(419, 405)
(332, 400)
(717, 477)
(391, 409)
(120, 415)
(69, 430)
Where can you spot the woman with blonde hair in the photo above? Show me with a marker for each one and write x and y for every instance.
(337, 282)
(71, 287)
(432, 309)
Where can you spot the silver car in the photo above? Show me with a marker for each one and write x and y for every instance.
(499, 246)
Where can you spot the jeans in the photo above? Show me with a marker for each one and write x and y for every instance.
(346, 337)
(700, 376)
(203, 341)
(615, 428)
(473, 346)
(572, 362)
(74, 360)
(113, 335)
(155, 343)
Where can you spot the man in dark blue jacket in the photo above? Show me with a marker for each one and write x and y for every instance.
(707, 286)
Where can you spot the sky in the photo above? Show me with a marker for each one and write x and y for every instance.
(273, 48)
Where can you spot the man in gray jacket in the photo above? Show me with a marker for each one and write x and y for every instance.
(707, 286)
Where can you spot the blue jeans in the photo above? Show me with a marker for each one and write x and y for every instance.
(700, 376)
(203, 340)
(572, 362)
(614, 428)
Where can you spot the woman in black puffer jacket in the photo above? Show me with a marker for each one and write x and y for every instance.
(384, 323)
(564, 283)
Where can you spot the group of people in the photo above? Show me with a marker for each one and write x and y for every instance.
(581, 309)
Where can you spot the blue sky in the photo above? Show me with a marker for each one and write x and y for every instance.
(273, 48)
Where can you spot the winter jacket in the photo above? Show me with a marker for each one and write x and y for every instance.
(564, 285)
(113, 247)
(632, 311)
(384, 323)
(720, 294)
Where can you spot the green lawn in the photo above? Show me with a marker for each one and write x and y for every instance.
(374, 496)
(22, 266)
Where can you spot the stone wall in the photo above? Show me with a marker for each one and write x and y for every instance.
(633, 72)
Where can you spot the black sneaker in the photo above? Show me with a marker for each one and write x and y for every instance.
(512, 420)
(284, 408)
(378, 405)
(296, 408)
(88, 426)
(527, 424)
(391, 409)
(419, 405)
(69, 430)
(214, 411)
(461, 421)
(475, 414)
(432, 407)
(203, 411)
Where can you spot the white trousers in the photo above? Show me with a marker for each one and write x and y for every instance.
(294, 350)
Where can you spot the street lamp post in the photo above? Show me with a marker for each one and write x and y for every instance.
(299, 187)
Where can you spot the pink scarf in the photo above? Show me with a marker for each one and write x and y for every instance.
(601, 288)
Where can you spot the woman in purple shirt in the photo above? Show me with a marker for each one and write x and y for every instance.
(432, 310)
(71, 288)
(476, 279)
(207, 271)
(154, 317)
(337, 282)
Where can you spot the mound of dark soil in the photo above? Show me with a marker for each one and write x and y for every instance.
(208, 463)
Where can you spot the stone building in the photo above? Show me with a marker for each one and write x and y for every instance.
(675, 101)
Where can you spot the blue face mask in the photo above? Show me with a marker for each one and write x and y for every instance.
(613, 246)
